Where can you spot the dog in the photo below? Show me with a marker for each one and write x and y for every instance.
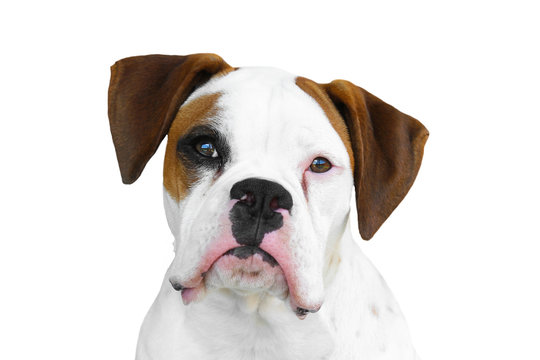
(258, 176)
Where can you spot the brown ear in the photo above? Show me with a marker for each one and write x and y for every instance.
(145, 94)
(388, 147)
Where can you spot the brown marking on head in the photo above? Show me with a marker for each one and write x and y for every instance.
(177, 179)
(321, 97)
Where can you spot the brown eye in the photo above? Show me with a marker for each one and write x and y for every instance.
(320, 165)
(206, 148)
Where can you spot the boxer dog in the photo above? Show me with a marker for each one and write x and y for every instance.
(258, 174)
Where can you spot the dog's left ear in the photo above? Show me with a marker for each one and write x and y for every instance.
(145, 94)
(388, 146)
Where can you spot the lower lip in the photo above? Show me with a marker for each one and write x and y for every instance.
(243, 252)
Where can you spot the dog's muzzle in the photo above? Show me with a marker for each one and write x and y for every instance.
(254, 254)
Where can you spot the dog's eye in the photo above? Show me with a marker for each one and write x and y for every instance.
(206, 148)
(320, 165)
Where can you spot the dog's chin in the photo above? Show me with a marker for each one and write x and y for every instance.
(247, 270)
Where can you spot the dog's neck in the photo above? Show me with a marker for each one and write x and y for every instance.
(255, 327)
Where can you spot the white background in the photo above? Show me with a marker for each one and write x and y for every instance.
(82, 256)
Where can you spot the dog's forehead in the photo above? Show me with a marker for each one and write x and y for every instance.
(262, 106)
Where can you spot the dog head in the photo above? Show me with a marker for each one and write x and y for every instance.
(259, 168)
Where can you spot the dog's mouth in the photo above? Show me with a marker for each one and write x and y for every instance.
(244, 252)
(246, 270)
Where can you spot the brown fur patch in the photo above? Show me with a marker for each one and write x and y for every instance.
(316, 92)
(176, 177)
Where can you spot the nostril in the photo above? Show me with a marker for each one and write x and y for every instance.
(274, 204)
(248, 198)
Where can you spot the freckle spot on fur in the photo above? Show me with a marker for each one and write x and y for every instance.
(382, 348)
(374, 311)
(390, 309)
(358, 333)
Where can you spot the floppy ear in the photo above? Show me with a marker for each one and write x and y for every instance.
(145, 94)
(388, 147)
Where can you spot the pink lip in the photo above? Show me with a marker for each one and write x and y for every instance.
(215, 252)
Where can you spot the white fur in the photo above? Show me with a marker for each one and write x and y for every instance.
(275, 130)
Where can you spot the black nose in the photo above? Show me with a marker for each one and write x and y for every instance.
(254, 215)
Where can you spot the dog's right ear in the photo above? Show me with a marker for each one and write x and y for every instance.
(145, 94)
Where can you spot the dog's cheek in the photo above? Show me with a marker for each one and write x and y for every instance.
(172, 212)
(202, 219)
(328, 199)
(176, 185)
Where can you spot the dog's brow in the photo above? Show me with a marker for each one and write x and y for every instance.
(313, 90)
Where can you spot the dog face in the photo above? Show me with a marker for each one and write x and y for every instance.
(249, 149)
(259, 169)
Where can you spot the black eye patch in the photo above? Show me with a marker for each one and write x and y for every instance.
(188, 148)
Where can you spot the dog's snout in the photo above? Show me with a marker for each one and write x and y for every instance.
(255, 213)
